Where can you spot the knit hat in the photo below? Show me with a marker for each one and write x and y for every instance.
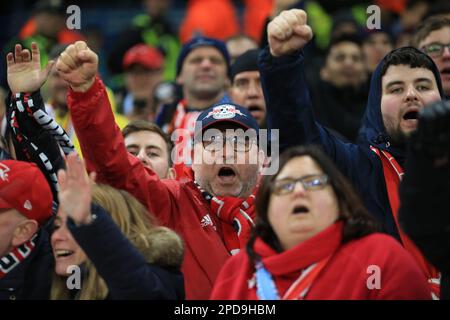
(202, 42)
(247, 61)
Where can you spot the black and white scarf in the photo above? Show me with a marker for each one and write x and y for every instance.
(11, 260)
(37, 136)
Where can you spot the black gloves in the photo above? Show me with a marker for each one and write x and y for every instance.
(433, 133)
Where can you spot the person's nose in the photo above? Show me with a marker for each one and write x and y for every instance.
(227, 149)
(142, 156)
(60, 234)
(299, 189)
(254, 90)
(446, 53)
(206, 63)
(411, 93)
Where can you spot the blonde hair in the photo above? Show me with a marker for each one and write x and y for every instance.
(140, 227)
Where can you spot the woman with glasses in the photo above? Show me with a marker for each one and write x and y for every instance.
(313, 239)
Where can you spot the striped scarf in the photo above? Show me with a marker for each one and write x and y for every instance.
(236, 218)
(37, 137)
(11, 260)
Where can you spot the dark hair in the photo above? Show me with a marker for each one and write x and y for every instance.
(426, 27)
(345, 37)
(409, 56)
(142, 125)
(438, 8)
(357, 221)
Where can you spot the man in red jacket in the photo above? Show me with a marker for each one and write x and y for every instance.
(214, 213)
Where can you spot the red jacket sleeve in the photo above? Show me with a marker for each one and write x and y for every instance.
(104, 151)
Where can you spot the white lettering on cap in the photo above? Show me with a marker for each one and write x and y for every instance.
(4, 172)
(27, 205)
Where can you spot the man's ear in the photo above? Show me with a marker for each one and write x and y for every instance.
(24, 231)
(171, 174)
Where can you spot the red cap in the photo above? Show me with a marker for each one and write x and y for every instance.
(23, 187)
(144, 55)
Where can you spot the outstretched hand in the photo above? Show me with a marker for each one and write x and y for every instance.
(288, 32)
(78, 65)
(24, 69)
(75, 190)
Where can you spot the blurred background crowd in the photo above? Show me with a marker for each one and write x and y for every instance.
(142, 78)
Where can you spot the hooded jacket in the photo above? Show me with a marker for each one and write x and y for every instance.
(290, 110)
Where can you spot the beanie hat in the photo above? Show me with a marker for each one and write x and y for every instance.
(247, 61)
(201, 42)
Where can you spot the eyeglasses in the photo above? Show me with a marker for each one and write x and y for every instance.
(310, 182)
(435, 50)
(239, 143)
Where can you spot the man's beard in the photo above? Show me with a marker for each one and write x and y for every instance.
(244, 192)
(398, 137)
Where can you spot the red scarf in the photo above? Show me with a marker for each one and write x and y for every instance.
(309, 258)
(393, 173)
(185, 120)
(236, 219)
(16, 256)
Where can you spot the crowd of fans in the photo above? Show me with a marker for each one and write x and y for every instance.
(140, 172)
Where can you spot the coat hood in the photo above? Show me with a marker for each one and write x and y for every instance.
(372, 131)
(165, 248)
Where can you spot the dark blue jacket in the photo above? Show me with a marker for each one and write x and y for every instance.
(289, 109)
(31, 280)
(125, 271)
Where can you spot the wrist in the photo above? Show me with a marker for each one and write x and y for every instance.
(87, 220)
(83, 87)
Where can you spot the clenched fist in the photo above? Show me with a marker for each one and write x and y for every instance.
(78, 65)
(288, 32)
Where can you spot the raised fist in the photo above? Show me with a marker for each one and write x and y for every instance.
(288, 32)
(78, 65)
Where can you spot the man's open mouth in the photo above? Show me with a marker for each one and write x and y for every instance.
(226, 172)
(253, 108)
(411, 115)
(445, 71)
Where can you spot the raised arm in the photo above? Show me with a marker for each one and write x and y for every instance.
(289, 106)
(126, 272)
(34, 134)
(100, 138)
